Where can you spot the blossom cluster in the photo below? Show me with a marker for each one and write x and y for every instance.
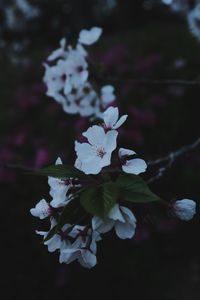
(67, 77)
(99, 162)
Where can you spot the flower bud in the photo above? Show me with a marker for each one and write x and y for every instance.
(185, 209)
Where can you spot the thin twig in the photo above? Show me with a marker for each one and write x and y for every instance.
(170, 159)
(173, 155)
(150, 81)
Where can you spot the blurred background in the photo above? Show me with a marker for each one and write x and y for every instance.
(141, 39)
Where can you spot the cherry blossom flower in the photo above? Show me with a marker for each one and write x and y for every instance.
(93, 156)
(131, 166)
(67, 80)
(42, 210)
(111, 118)
(58, 190)
(185, 209)
(119, 217)
(82, 249)
(89, 37)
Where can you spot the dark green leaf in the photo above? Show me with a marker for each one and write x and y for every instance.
(61, 171)
(100, 199)
(68, 213)
(134, 189)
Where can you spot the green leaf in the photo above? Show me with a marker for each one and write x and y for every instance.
(61, 171)
(68, 213)
(134, 189)
(100, 199)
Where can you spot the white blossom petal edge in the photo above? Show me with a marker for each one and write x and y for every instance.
(119, 217)
(91, 36)
(132, 166)
(111, 118)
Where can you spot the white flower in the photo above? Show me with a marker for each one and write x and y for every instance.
(107, 94)
(185, 209)
(60, 52)
(58, 190)
(132, 166)
(42, 210)
(119, 217)
(83, 249)
(111, 116)
(89, 37)
(93, 156)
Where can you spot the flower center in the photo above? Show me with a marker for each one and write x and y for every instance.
(101, 152)
(79, 69)
(63, 77)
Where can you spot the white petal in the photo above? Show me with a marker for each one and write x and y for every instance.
(105, 161)
(111, 116)
(120, 122)
(68, 255)
(89, 37)
(58, 161)
(87, 259)
(100, 226)
(111, 141)
(116, 214)
(107, 89)
(135, 166)
(107, 94)
(59, 202)
(42, 233)
(124, 230)
(91, 166)
(128, 215)
(95, 135)
(54, 243)
(84, 151)
(125, 152)
(67, 86)
(81, 50)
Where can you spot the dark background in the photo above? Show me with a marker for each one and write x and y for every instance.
(163, 260)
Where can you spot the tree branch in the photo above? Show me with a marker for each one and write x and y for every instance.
(170, 159)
